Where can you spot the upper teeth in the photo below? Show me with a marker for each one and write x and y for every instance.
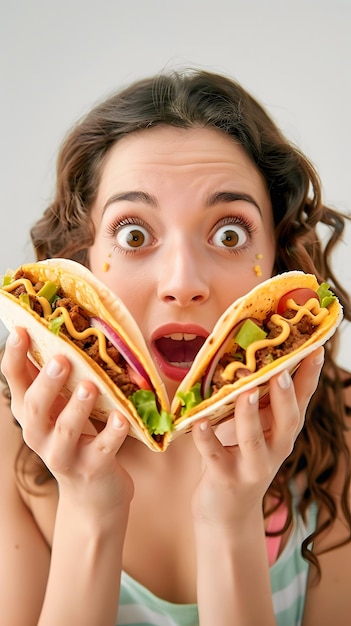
(181, 336)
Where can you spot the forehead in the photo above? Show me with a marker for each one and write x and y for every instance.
(178, 150)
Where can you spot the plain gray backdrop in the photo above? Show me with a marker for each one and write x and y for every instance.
(58, 58)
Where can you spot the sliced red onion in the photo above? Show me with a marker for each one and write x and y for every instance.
(122, 348)
(207, 377)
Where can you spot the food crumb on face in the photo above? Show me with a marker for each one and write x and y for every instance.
(105, 267)
(259, 256)
(258, 270)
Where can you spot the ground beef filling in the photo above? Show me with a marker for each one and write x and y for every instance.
(34, 302)
(299, 334)
(90, 345)
(80, 320)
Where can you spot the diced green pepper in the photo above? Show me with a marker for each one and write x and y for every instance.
(48, 290)
(248, 333)
(24, 297)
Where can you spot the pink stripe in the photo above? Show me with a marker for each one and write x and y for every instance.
(276, 522)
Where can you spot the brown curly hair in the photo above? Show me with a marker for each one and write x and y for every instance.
(202, 99)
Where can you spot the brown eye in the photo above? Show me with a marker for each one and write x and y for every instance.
(132, 236)
(135, 238)
(230, 236)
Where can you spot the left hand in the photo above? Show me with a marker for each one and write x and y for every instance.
(236, 477)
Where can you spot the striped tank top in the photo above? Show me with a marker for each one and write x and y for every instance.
(139, 607)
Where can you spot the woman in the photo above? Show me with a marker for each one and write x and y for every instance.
(170, 191)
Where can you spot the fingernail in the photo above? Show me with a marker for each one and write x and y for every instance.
(54, 368)
(253, 397)
(284, 380)
(82, 393)
(14, 338)
(117, 422)
(204, 426)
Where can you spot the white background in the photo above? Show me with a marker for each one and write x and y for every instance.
(60, 57)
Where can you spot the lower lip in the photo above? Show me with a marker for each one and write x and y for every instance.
(174, 372)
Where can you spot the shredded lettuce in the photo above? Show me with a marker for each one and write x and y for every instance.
(156, 422)
(190, 398)
(326, 296)
(7, 279)
(55, 324)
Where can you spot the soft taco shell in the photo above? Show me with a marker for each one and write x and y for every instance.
(258, 303)
(81, 285)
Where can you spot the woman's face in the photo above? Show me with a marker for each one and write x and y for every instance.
(184, 227)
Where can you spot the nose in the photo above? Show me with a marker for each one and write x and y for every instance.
(183, 278)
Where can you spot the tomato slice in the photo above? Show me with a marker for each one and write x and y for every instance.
(300, 295)
(138, 379)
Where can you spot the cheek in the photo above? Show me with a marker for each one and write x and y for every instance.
(241, 281)
(247, 270)
(131, 287)
(264, 257)
(262, 266)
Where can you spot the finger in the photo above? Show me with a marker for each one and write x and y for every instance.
(285, 415)
(249, 430)
(70, 425)
(289, 401)
(37, 411)
(16, 367)
(307, 377)
(217, 459)
(206, 442)
(110, 439)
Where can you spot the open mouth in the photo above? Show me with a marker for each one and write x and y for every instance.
(177, 351)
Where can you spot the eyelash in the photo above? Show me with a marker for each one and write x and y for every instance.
(239, 219)
(125, 221)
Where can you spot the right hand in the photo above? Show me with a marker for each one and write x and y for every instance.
(82, 460)
(237, 475)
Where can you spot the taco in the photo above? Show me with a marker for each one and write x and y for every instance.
(67, 310)
(271, 328)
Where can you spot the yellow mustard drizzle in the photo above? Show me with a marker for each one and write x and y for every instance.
(307, 309)
(47, 311)
(46, 306)
(84, 334)
(311, 308)
(21, 281)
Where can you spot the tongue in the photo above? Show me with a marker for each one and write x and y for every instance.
(179, 351)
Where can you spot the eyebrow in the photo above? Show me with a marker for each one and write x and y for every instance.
(132, 196)
(213, 199)
(232, 196)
